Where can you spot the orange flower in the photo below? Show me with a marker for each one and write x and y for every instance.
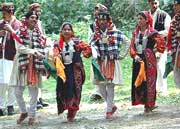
(111, 39)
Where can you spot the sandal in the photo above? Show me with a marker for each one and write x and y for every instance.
(71, 115)
(114, 109)
(109, 115)
(22, 117)
(32, 121)
(153, 107)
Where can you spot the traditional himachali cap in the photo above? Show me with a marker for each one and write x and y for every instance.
(103, 11)
(102, 15)
(28, 14)
(176, 1)
(33, 6)
(101, 7)
(8, 6)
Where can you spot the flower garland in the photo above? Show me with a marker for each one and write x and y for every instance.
(24, 33)
(175, 26)
(98, 34)
(175, 29)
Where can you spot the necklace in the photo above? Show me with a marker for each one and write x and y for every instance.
(104, 36)
(141, 42)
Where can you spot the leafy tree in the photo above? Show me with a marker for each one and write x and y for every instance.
(55, 12)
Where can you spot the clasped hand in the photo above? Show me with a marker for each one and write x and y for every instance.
(39, 55)
(137, 58)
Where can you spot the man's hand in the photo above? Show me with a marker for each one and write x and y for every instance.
(39, 55)
(2, 33)
(9, 28)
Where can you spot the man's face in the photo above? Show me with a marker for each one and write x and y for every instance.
(6, 15)
(176, 8)
(38, 11)
(154, 4)
(103, 23)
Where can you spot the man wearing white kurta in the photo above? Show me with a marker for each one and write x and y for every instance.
(161, 22)
(37, 8)
(105, 44)
(7, 52)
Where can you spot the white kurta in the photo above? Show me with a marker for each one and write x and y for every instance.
(17, 79)
(161, 82)
(5, 70)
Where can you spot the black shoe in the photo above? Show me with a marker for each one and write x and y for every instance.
(1, 112)
(42, 103)
(10, 110)
(96, 97)
(39, 106)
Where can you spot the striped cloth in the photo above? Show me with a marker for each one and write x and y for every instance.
(34, 41)
(173, 36)
(110, 49)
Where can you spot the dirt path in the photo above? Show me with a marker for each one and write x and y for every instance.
(92, 116)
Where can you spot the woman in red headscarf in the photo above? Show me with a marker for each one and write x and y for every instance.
(145, 43)
(69, 86)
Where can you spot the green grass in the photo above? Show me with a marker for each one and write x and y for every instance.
(122, 93)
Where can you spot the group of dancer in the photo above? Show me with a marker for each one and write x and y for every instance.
(147, 46)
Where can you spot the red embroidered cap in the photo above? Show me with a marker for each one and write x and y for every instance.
(33, 6)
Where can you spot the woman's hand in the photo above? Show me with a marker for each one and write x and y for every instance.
(56, 51)
(169, 53)
(158, 55)
(137, 58)
(120, 57)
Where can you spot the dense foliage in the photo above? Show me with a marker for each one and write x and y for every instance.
(55, 12)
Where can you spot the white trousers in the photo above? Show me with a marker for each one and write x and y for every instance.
(161, 83)
(33, 94)
(177, 77)
(107, 91)
(7, 96)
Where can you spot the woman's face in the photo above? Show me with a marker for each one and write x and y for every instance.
(32, 20)
(141, 21)
(6, 15)
(67, 32)
(176, 8)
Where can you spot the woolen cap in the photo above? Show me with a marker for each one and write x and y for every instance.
(8, 6)
(176, 1)
(103, 15)
(101, 7)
